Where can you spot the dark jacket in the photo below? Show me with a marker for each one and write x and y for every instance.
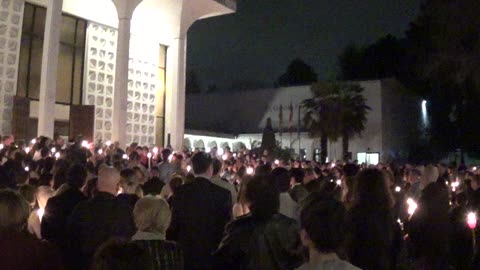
(95, 221)
(200, 211)
(166, 255)
(21, 251)
(250, 243)
(57, 211)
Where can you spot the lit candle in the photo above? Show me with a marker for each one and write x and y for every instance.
(100, 151)
(412, 206)
(277, 162)
(170, 158)
(472, 220)
(40, 213)
(27, 169)
(149, 156)
(108, 143)
(27, 150)
(220, 152)
(155, 150)
(125, 156)
(53, 150)
(250, 170)
(85, 144)
(57, 155)
(339, 182)
(33, 141)
(189, 168)
(398, 189)
(224, 157)
(1, 146)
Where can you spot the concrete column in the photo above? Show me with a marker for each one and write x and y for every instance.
(125, 9)
(48, 78)
(175, 94)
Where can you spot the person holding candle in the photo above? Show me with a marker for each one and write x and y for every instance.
(429, 227)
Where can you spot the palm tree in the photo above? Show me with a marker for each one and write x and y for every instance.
(335, 110)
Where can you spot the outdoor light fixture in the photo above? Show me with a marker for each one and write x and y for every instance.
(472, 220)
(207, 149)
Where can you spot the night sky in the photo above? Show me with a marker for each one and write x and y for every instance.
(258, 42)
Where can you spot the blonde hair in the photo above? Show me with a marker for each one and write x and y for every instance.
(14, 210)
(430, 175)
(152, 215)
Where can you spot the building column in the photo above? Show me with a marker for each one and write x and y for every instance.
(125, 9)
(175, 94)
(48, 79)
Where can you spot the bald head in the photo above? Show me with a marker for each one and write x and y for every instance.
(108, 179)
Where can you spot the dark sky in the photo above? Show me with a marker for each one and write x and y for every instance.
(258, 42)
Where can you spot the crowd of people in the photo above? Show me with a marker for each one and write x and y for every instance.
(81, 205)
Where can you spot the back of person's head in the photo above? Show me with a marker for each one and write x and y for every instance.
(331, 189)
(350, 170)
(166, 154)
(152, 215)
(128, 178)
(28, 193)
(43, 194)
(45, 179)
(76, 176)
(282, 180)
(14, 211)
(323, 223)
(297, 174)
(263, 200)
(175, 182)
(201, 163)
(370, 189)
(435, 199)
(430, 175)
(134, 156)
(217, 166)
(263, 170)
(108, 179)
(121, 255)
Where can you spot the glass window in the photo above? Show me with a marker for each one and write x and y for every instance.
(70, 61)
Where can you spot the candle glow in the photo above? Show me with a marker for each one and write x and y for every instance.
(57, 155)
(220, 151)
(125, 156)
(412, 206)
(398, 189)
(472, 220)
(40, 213)
(85, 144)
(149, 155)
(250, 170)
(108, 143)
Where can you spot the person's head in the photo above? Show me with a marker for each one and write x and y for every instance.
(108, 179)
(28, 193)
(296, 176)
(116, 255)
(202, 164)
(134, 157)
(281, 178)
(76, 176)
(323, 223)
(310, 175)
(166, 154)
(14, 211)
(430, 175)
(370, 189)
(152, 215)
(8, 140)
(217, 166)
(128, 181)
(475, 183)
(175, 182)
(414, 176)
(262, 200)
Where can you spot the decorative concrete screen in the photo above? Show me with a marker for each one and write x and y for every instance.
(11, 15)
(99, 83)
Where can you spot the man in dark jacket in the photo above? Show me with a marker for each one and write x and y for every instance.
(60, 207)
(99, 219)
(200, 210)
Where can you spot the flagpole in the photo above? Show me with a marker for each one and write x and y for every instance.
(298, 128)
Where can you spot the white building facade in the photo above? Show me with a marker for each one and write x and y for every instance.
(392, 123)
(111, 68)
